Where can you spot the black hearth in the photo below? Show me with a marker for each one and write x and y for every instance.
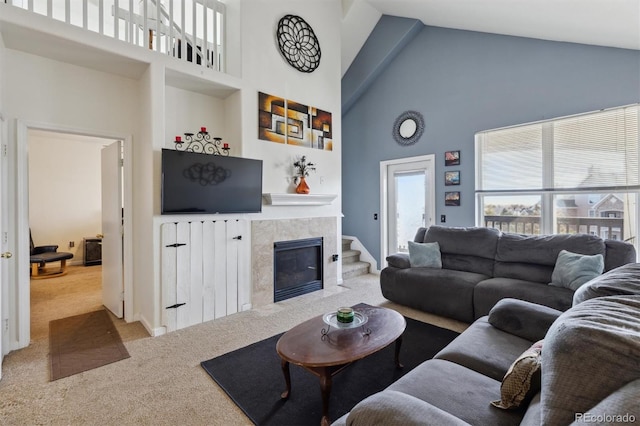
(297, 268)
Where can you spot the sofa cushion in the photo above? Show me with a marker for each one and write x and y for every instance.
(439, 291)
(598, 337)
(573, 269)
(489, 292)
(457, 390)
(532, 416)
(522, 380)
(426, 255)
(397, 408)
(619, 281)
(533, 257)
(465, 249)
(528, 320)
(485, 349)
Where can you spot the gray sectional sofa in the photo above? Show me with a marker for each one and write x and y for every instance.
(481, 266)
(589, 365)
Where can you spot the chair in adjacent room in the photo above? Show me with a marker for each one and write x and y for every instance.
(41, 255)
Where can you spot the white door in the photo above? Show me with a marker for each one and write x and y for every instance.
(112, 261)
(407, 187)
(6, 255)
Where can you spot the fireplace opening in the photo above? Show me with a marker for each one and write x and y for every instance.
(297, 268)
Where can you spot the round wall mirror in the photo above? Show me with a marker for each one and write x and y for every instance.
(408, 128)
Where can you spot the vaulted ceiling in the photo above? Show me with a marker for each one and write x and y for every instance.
(614, 23)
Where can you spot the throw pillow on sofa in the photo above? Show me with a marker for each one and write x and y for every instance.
(573, 269)
(426, 255)
(522, 380)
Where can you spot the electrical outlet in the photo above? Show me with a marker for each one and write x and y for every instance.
(375, 216)
(335, 257)
(72, 244)
(443, 218)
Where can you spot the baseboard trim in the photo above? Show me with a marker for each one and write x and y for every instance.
(154, 332)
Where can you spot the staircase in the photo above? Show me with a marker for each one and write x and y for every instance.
(352, 266)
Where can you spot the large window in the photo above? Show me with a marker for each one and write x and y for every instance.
(577, 174)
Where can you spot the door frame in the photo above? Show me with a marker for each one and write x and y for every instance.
(384, 197)
(4, 243)
(21, 287)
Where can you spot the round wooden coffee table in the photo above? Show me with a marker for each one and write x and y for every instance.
(325, 354)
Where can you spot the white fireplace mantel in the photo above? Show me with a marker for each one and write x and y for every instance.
(298, 199)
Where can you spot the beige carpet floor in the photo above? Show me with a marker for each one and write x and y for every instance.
(162, 382)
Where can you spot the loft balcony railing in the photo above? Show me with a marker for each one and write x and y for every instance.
(191, 30)
(604, 227)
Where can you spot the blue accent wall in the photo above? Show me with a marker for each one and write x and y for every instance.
(388, 39)
(464, 82)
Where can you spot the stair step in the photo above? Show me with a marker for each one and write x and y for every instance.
(346, 244)
(350, 256)
(355, 269)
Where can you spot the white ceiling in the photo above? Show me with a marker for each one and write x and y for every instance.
(614, 23)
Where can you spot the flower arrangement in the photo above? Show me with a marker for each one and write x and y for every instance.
(302, 167)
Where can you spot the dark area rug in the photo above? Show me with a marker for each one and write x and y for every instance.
(253, 378)
(83, 342)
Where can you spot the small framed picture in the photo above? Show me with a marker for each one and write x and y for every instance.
(452, 158)
(452, 198)
(452, 178)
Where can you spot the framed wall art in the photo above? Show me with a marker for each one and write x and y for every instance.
(452, 158)
(293, 123)
(452, 198)
(452, 178)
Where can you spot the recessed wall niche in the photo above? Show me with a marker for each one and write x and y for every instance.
(192, 103)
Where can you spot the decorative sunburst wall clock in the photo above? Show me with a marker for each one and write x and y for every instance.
(298, 43)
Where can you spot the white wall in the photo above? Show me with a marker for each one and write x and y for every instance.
(265, 70)
(46, 91)
(146, 200)
(188, 111)
(64, 190)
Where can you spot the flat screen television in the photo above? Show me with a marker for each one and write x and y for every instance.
(194, 183)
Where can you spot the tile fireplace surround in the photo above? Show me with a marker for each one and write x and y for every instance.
(266, 232)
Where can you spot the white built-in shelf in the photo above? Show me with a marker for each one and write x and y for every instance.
(299, 199)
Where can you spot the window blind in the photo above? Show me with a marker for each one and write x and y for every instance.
(598, 150)
(591, 151)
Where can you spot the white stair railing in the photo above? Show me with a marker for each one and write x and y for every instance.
(191, 30)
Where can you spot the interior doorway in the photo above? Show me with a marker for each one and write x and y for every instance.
(407, 189)
(65, 209)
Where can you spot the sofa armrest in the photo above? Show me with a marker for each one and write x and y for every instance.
(399, 260)
(523, 319)
(392, 407)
